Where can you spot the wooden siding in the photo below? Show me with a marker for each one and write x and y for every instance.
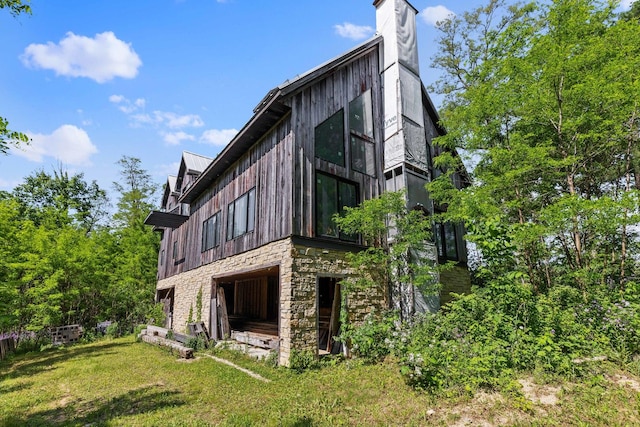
(267, 166)
(310, 107)
(282, 168)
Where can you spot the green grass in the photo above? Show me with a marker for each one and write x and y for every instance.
(120, 382)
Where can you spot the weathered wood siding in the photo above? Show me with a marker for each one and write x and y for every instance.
(267, 166)
(310, 107)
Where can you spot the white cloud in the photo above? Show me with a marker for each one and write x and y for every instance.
(218, 136)
(68, 144)
(101, 58)
(175, 121)
(435, 14)
(175, 138)
(352, 31)
(125, 105)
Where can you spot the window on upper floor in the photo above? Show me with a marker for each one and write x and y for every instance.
(332, 196)
(162, 257)
(175, 249)
(361, 134)
(361, 115)
(211, 232)
(241, 215)
(329, 139)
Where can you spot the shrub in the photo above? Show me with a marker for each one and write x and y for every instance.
(113, 330)
(302, 360)
(196, 343)
(376, 337)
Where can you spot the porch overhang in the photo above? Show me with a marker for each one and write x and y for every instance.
(165, 219)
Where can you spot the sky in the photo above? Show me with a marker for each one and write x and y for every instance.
(92, 81)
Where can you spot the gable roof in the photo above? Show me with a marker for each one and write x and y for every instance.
(266, 114)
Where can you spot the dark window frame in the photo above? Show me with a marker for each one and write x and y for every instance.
(340, 184)
(175, 249)
(324, 130)
(362, 138)
(233, 231)
(445, 232)
(211, 232)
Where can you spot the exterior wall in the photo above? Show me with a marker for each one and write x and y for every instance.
(300, 298)
(267, 167)
(314, 104)
(455, 280)
(299, 268)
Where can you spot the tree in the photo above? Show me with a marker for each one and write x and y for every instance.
(387, 267)
(134, 247)
(7, 136)
(545, 95)
(62, 199)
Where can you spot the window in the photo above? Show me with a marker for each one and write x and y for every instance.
(446, 241)
(361, 132)
(332, 195)
(241, 215)
(329, 139)
(361, 115)
(211, 232)
(175, 249)
(362, 155)
(162, 257)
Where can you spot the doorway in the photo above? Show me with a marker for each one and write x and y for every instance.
(329, 303)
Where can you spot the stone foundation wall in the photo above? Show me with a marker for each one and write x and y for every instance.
(301, 295)
(188, 284)
(299, 267)
(455, 280)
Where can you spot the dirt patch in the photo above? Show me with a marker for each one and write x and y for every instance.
(625, 381)
(193, 359)
(539, 394)
(484, 410)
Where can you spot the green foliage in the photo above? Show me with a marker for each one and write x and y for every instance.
(60, 263)
(303, 360)
(155, 315)
(190, 317)
(199, 305)
(376, 337)
(113, 330)
(482, 339)
(196, 343)
(542, 96)
(16, 7)
(381, 264)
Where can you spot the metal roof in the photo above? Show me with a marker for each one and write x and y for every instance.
(195, 163)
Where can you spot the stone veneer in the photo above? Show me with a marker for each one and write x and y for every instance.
(299, 268)
(456, 279)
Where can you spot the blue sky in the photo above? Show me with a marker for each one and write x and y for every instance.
(91, 81)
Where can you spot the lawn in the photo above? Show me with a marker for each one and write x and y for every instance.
(122, 382)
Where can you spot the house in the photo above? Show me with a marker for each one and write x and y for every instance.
(248, 235)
